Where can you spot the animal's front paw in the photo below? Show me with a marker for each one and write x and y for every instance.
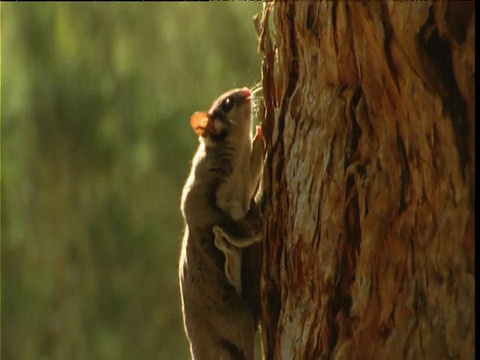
(219, 240)
(259, 132)
(218, 231)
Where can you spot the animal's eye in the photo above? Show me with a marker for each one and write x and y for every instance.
(227, 104)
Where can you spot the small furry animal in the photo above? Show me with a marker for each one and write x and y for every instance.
(220, 225)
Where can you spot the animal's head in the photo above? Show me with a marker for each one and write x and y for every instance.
(230, 114)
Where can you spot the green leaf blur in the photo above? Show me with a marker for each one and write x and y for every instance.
(96, 146)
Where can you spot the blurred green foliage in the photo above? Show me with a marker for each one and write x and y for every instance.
(96, 146)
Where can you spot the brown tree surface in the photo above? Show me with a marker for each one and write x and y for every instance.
(369, 184)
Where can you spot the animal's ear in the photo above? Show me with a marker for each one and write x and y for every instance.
(201, 123)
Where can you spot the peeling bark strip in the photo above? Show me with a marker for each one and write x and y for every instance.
(369, 184)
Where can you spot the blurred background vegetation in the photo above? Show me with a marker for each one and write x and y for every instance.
(96, 146)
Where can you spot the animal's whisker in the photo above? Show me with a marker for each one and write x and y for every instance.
(257, 88)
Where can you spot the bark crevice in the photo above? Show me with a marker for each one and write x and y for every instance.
(438, 66)
(388, 36)
(405, 172)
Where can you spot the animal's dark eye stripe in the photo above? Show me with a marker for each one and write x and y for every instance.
(227, 104)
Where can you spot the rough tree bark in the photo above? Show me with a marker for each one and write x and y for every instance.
(369, 185)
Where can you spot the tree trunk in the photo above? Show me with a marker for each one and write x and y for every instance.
(369, 185)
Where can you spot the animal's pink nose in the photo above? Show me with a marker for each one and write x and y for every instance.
(247, 92)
